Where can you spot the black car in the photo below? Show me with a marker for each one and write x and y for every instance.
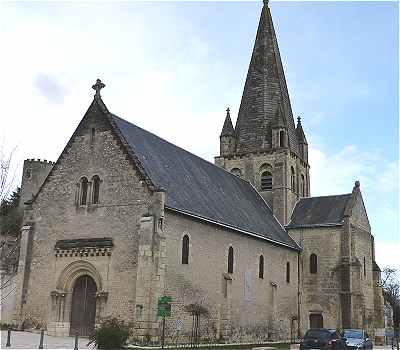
(357, 339)
(322, 338)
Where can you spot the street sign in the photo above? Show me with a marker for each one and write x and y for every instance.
(164, 306)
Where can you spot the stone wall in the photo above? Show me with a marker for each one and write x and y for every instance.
(281, 199)
(242, 307)
(343, 289)
(34, 173)
(320, 292)
(7, 296)
(57, 214)
(361, 254)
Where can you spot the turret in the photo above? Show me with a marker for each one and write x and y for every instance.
(227, 137)
(279, 129)
(301, 138)
(34, 173)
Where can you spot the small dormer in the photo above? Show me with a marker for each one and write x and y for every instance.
(227, 138)
(279, 130)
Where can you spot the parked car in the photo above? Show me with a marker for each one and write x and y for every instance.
(357, 339)
(322, 338)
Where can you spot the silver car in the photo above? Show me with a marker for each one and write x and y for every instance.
(357, 339)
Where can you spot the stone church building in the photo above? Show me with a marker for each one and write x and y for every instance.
(124, 217)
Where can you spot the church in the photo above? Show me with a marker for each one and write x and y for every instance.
(124, 217)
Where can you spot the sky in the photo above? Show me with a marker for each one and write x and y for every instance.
(174, 67)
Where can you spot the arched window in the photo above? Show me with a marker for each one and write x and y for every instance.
(282, 139)
(237, 172)
(302, 185)
(261, 267)
(288, 272)
(293, 179)
(313, 263)
(95, 189)
(266, 181)
(185, 250)
(230, 260)
(84, 191)
(365, 271)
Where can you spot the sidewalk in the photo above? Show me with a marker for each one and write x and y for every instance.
(27, 340)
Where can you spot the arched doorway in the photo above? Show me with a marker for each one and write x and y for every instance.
(83, 309)
(316, 321)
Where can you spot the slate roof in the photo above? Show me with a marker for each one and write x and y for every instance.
(265, 92)
(319, 211)
(199, 188)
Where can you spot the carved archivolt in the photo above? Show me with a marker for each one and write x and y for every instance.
(76, 269)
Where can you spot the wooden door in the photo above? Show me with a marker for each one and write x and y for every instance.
(316, 321)
(83, 309)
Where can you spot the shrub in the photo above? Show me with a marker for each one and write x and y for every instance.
(111, 334)
(4, 326)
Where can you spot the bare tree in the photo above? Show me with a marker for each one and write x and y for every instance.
(7, 174)
(391, 292)
(10, 220)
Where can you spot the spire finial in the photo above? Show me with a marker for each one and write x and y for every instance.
(299, 120)
(357, 184)
(228, 112)
(97, 87)
(266, 3)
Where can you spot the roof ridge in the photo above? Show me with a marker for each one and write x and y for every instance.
(236, 228)
(325, 196)
(186, 151)
(195, 185)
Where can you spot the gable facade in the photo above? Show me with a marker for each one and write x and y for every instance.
(58, 214)
(342, 290)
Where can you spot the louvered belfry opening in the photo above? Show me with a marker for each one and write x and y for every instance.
(83, 310)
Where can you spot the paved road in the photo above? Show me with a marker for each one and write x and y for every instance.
(26, 340)
(376, 347)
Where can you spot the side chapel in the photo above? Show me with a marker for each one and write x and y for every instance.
(123, 217)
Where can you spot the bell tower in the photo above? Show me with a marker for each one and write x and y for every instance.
(265, 147)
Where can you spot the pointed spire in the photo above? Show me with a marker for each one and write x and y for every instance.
(264, 89)
(227, 129)
(301, 137)
(279, 120)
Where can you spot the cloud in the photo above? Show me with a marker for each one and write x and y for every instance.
(50, 88)
(335, 173)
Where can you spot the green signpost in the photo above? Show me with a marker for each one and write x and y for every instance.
(164, 310)
(164, 306)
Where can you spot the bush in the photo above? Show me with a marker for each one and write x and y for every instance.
(111, 334)
(4, 326)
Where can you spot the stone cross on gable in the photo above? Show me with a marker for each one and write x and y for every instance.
(97, 87)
